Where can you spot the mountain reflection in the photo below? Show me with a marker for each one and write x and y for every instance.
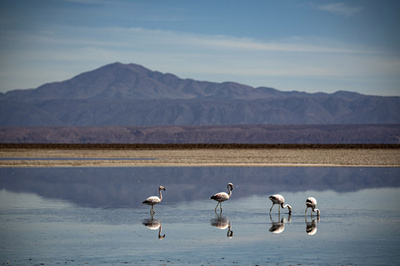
(128, 186)
(222, 222)
(279, 225)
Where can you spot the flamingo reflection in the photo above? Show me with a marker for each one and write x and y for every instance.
(154, 225)
(311, 227)
(222, 222)
(279, 226)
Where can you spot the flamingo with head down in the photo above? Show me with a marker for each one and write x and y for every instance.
(311, 202)
(280, 200)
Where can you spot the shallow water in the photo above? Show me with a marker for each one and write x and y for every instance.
(95, 216)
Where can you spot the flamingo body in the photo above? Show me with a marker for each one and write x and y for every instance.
(153, 200)
(222, 196)
(280, 200)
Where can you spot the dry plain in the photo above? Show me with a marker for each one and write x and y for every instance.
(197, 157)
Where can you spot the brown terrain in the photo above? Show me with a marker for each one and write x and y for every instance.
(240, 155)
(246, 134)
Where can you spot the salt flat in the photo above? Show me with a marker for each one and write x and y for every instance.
(348, 157)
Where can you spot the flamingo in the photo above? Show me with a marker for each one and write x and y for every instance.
(311, 202)
(222, 196)
(280, 200)
(154, 199)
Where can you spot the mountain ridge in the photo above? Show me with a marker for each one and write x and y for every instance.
(131, 95)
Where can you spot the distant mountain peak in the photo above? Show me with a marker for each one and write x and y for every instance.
(130, 94)
(347, 94)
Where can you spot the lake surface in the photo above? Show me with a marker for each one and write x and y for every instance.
(94, 216)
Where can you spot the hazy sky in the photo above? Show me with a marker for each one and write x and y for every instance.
(288, 45)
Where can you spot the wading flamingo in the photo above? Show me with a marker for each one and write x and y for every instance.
(154, 199)
(311, 202)
(222, 196)
(280, 200)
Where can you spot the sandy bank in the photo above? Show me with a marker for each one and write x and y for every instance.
(263, 157)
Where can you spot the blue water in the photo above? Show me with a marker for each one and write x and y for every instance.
(94, 216)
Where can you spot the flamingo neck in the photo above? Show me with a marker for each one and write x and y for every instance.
(288, 206)
(317, 210)
(159, 192)
(229, 191)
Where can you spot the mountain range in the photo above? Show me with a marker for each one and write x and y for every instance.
(132, 95)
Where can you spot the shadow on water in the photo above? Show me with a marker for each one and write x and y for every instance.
(128, 187)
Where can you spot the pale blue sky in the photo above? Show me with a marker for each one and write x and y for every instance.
(313, 46)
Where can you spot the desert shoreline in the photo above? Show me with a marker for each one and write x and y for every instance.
(199, 155)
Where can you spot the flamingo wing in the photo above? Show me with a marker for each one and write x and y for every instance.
(272, 197)
(221, 196)
(277, 199)
(311, 201)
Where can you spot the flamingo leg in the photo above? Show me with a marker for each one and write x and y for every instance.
(271, 208)
(216, 206)
(220, 206)
(279, 209)
(152, 210)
